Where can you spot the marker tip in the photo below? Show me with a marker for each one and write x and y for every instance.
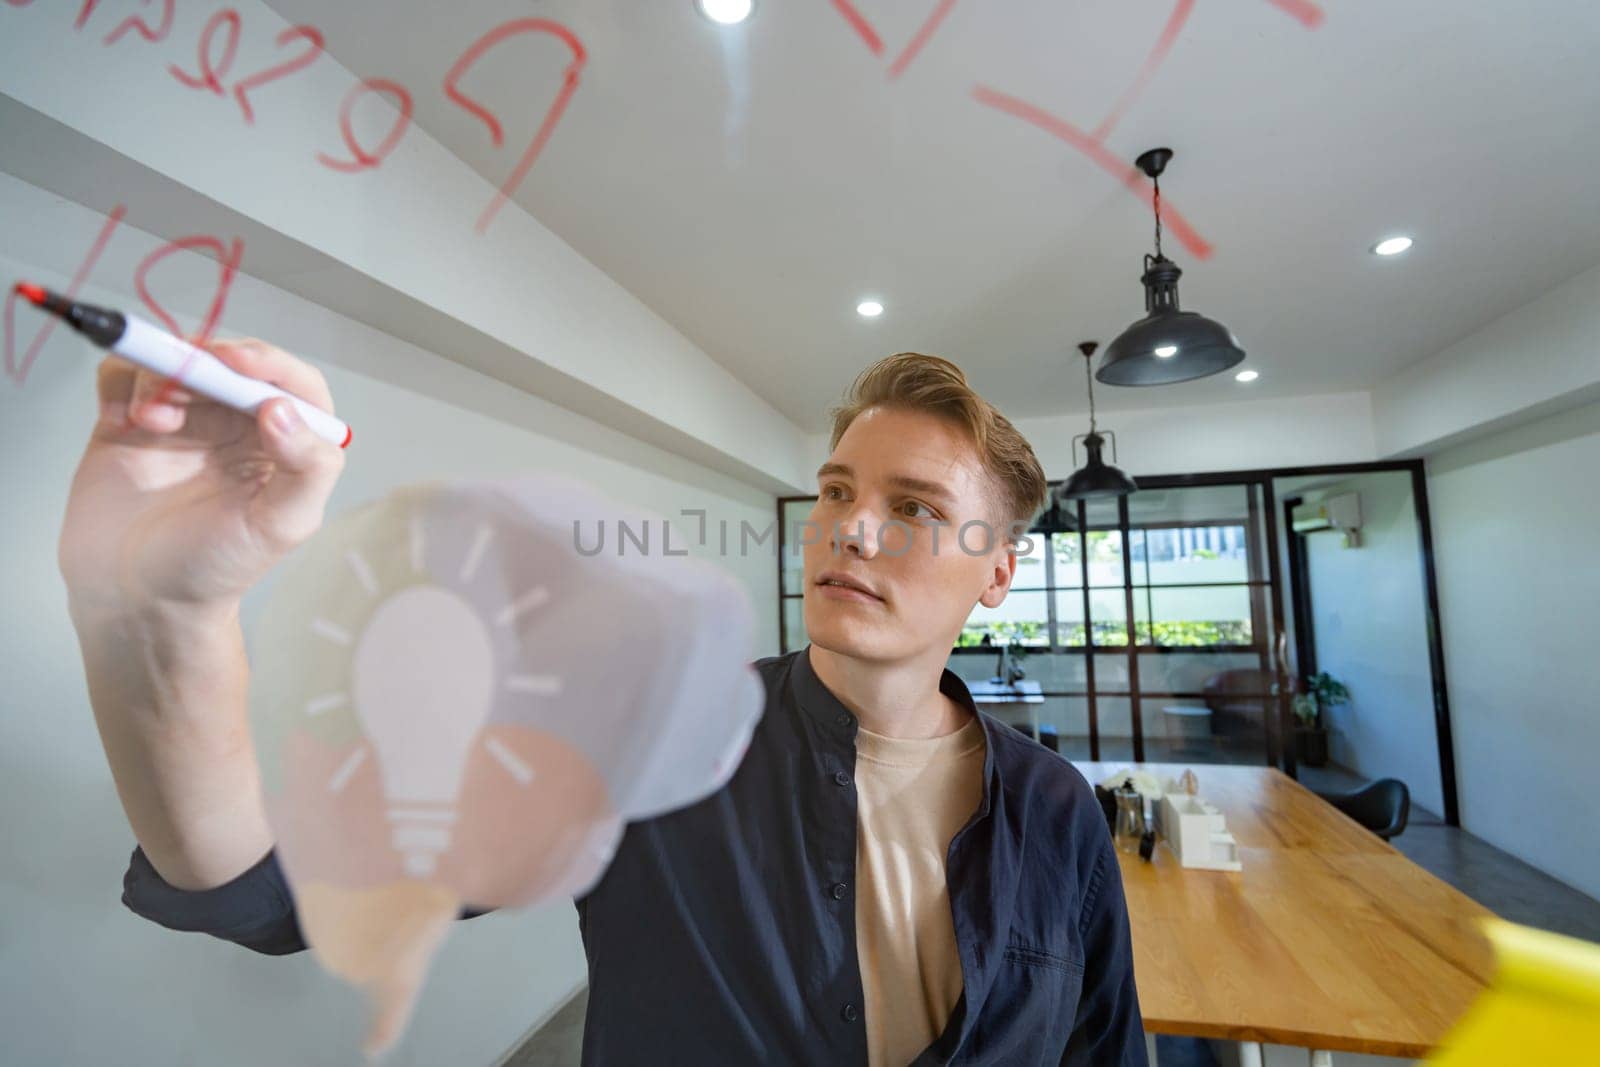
(32, 293)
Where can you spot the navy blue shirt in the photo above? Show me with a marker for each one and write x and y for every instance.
(719, 933)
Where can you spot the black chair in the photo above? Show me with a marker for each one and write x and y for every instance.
(1382, 807)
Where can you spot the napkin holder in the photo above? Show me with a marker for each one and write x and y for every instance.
(1196, 832)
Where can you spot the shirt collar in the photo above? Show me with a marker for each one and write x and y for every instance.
(828, 712)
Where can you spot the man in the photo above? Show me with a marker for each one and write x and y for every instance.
(888, 878)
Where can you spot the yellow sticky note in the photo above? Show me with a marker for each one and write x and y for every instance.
(1542, 1007)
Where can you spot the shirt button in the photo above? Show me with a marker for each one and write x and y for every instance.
(849, 1013)
(842, 719)
(840, 778)
(839, 890)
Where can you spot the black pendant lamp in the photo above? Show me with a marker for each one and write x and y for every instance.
(1096, 478)
(1167, 345)
(1060, 517)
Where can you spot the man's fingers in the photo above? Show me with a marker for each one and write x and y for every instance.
(130, 395)
(306, 469)
(133, 397)
(114, 380)
(156, 404)
(269, 363)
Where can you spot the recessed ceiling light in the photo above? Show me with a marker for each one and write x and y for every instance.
(725, 12)
(1167, 351)
(869, 309)
(1391, 246)
(1246, 376)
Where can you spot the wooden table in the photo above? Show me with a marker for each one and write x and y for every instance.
(1329, 938)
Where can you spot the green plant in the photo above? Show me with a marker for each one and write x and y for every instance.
(1109, 633)
(1322, 691)
(1001, 632)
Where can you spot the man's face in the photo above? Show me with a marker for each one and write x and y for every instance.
(892, 500)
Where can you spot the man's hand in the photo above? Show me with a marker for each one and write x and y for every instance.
(181, 501)
(179, 506)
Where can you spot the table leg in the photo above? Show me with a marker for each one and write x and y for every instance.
(1150, 1047)
(1033, 717)
(1321, 1058)
(1249, 1054)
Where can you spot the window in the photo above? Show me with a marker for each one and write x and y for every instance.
(1190, 588)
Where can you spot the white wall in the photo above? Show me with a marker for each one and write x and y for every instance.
(1507, 418)
(396, 245)
(83, 980)
(1247, 435)
(1369, 619)
(1535, 361)
(1515, 520)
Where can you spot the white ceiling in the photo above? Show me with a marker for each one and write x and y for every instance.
(752, 184)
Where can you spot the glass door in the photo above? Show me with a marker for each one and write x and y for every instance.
(1204, 663)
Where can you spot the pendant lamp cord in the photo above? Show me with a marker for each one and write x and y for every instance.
(1157, 203)
(1088, 378)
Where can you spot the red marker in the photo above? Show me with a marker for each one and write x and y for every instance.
(195, 369)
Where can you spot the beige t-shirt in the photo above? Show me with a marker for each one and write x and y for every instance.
(912, 796)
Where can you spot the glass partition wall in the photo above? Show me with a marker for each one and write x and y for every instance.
(1155, 626)
(1146, 622)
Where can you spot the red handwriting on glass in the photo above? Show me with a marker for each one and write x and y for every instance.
(217, 49)
(131, 24)
(1093, 145)
(361, 159)
(227, 263)
(1169, 36)
(1098, 153)
(1309, 14)
(211, 75)
(552, 117)
(311, 35)
(869, 34)
(17, 369)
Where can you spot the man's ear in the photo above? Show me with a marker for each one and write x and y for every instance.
(1000, 576)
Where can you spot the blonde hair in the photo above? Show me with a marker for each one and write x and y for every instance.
(916, 382)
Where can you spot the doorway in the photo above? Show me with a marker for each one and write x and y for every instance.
(1358, 570)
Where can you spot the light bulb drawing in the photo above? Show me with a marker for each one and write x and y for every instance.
(422, 671)
(436, 730)
(422, 674)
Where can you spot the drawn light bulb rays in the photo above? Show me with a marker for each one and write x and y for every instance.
(437, 654)
(432, 731)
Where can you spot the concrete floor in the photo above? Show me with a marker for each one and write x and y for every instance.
(559, 1042)
(1497, 880)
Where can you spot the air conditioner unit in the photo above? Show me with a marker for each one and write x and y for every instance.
(1342, 513)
